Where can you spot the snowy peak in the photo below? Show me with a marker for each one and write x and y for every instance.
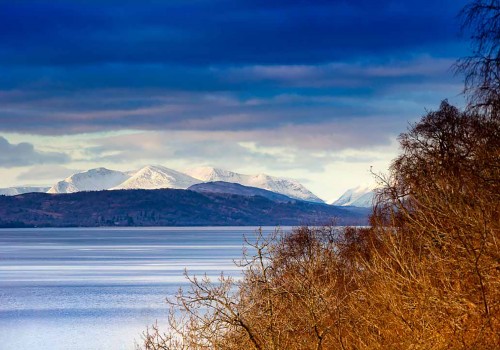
(360, 196)
(92, 180)
(155, 177)
(287, 187)
(290, 188)
(209, 174)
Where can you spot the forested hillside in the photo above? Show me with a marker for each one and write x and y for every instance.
(167, 207)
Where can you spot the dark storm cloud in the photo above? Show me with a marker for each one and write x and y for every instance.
(23, 154)
(80, 66)
(214, 31)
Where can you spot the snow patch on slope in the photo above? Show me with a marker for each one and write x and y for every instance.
(360, 196)
(155, 177)
(92, 180)
(237, 189)
(288, 187)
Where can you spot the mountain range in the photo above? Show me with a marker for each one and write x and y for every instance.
(158, 177)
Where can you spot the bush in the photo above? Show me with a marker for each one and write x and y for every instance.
(424, 275)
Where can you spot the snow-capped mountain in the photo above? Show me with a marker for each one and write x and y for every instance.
(92, 180)
(290, 188)
(155, 177)
(14, 191)
(209, 174)
(360, 196)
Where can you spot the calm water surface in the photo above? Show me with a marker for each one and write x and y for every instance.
(99, 288)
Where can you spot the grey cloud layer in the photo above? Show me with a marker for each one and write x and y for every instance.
(224, 98)
(45, 172)
(309, 147)
(23, 154)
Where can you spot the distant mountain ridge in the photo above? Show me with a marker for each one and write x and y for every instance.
(14, 191)
(217, 180)
(287, 187)
(156, 177)
(237, 189)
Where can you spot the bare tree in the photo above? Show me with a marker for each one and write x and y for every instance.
(481, 20)
(425, 275)
(442, 205)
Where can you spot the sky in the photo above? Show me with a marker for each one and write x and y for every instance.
(317, 91)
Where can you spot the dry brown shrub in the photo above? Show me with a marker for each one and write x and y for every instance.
(443, 204)
(424, 275)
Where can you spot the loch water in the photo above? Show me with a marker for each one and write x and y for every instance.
(99, 288)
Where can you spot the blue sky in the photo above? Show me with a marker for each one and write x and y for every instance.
(314, 90)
